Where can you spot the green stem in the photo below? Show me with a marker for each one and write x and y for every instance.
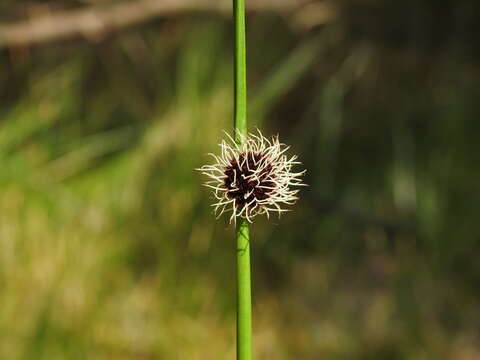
(244, 301)
(240, 70)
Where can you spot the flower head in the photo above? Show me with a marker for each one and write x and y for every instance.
(252, 178)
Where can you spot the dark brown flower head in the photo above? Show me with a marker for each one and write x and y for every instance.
(253, 177)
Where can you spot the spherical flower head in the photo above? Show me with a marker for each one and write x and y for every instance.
(252, 177)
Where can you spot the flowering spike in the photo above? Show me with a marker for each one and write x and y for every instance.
(252, 178)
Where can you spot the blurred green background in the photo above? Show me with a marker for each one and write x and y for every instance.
(108, 248)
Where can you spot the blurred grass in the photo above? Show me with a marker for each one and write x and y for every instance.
(107, 245)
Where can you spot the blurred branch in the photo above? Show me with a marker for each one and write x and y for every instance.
(95, 22)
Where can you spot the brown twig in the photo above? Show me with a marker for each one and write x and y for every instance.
(94, 22)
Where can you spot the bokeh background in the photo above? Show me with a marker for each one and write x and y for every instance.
(108, 248)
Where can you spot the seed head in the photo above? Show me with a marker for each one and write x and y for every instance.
(252, 178)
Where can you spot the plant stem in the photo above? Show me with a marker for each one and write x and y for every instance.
(244, 301)
(240, 70)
